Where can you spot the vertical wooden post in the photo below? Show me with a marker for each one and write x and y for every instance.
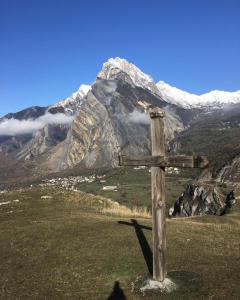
(158, 196)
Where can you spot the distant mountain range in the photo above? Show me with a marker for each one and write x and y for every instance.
(90, 127)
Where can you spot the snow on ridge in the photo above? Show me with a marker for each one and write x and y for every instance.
(125, 66)
(170, 94)
(75, 99)
(176, 96)
(82, 91)
(184, 99)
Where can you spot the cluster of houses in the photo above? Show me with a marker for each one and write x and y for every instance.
(72, 181)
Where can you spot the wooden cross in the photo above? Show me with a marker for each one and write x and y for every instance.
(158, 161)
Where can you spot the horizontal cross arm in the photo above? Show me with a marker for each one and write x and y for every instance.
(183, 161)
(180, 161)
(150, 161)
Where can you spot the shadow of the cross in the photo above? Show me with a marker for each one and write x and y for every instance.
(117, 293)
(146, 250)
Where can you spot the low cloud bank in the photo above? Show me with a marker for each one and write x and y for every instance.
(139, 117)
(12, 127)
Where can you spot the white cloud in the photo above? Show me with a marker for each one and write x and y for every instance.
(139, 117)
(13, 127)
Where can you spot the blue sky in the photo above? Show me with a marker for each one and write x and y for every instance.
(49, 47)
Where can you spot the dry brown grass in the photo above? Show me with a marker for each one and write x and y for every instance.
(115, 209)
(107, 206)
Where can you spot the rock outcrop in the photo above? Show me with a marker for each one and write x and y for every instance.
(230, 173)
(199, 200)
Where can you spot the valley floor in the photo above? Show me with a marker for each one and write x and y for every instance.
(58, 244)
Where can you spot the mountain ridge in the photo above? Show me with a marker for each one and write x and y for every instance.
(113, 67)
(212, 99)
(98, 121)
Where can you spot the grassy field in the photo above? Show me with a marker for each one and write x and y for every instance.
(134, 186)
(65, 247)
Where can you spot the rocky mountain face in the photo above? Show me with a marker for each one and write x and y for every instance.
(43, 140)
(15, 142)
(96, 122)
(28, 113)
(112, 119)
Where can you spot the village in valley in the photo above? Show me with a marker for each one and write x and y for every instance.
(72, 181)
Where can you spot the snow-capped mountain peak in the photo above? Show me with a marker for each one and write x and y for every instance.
(187, 100)
(117, 65)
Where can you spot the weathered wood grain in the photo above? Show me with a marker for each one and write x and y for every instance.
(151, 161)
(158, 196)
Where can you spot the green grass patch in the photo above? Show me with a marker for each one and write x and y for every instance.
(134, 187)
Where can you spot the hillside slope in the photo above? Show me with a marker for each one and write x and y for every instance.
(216, 135)
(64, 247)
